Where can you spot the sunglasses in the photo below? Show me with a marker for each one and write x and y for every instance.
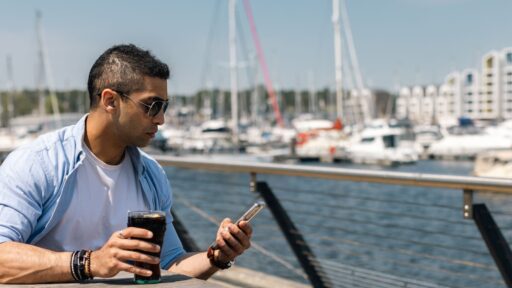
(151, 109)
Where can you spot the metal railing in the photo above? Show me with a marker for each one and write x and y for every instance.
(378, 239)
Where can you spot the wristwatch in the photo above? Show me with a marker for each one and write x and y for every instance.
(216, 263)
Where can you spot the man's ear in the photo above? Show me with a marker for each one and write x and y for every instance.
(108, 99)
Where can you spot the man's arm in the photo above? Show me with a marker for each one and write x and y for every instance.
(232, 241)
(24, 263)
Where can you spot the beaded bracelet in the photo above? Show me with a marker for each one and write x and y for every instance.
(81, 265)
(73, 272)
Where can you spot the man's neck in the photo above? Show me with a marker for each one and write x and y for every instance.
(101, 141)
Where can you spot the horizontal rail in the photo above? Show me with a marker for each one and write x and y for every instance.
(333, 173)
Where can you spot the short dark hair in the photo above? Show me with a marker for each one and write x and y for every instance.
(122, 68)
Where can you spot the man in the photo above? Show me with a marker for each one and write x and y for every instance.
(70, 190)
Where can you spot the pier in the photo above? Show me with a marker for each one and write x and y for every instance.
(362, 228)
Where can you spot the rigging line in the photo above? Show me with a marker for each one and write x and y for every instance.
(256, 246)
(350, 44)
(415, 242)
(209, 43)
(385, 225)
(385, 212)
(243, 46)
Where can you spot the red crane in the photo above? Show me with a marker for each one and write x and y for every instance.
(263, 64)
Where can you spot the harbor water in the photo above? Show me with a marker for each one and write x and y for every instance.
(407, 232)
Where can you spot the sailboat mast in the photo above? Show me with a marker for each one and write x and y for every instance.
(46, 71)
(40, 80)
(233, 68)
(11, 92)
(337, 57)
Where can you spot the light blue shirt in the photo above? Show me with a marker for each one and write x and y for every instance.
(37, 182)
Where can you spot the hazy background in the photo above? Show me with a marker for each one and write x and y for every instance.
(399, 42)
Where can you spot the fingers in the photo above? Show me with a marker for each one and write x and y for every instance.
(135, 270)
(233, 240)
(128, 239)
(134, 244)
(136, 256)
(225, 249)
(246, 227)
(134, 232)
(237, 238)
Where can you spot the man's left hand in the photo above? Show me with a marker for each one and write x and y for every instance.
(232, 240)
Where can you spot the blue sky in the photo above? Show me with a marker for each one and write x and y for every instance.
(398, 41)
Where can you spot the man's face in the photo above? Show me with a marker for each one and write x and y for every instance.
(135, 127)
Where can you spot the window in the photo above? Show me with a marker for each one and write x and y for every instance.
(489, 63)
(469, 79)
(367, 140)
(509, 57)
(389, 141)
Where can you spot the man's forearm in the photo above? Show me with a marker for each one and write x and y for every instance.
(24, 263)
(195, 265)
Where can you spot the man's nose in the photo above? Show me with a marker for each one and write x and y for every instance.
(159, 118)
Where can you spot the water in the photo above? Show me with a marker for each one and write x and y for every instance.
(408, 232)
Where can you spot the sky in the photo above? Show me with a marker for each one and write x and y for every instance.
(398, 42)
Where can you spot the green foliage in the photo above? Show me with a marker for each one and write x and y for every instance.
(27, 102)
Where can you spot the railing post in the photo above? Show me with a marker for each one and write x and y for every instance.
(186, 240)
(253, 182)
(496, 243)
(298, 244)
(468, 204)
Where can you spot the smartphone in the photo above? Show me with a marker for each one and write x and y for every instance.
(247, 216)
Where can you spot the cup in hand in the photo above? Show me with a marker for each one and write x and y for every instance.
(153, 221)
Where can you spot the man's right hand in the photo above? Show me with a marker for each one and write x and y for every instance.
(120, 248)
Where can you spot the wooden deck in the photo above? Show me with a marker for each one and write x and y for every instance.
(126, 280)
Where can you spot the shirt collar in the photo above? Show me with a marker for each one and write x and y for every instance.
(79, 132)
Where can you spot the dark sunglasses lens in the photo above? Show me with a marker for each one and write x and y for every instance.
(156, 107)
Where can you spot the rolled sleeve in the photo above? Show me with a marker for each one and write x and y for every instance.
(21, 196)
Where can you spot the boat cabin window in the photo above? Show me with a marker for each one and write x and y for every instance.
(367, 140)
(389, 141)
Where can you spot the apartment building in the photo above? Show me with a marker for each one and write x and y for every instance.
(484, 94)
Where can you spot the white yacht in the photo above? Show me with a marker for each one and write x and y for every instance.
(467, 142)
(497, 163)
(381, 145)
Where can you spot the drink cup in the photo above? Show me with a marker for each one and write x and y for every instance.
(153, 221)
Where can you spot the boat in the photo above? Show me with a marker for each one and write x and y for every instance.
(466, 142)
(319, 138)
(495, 164)
(381, 145)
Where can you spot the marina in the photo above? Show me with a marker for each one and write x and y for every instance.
(403, 184)
(410, 230)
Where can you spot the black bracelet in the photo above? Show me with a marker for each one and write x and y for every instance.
(78, 265)
(81, 265)
(71, 264)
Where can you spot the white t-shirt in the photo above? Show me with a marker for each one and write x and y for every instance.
(103, 196)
